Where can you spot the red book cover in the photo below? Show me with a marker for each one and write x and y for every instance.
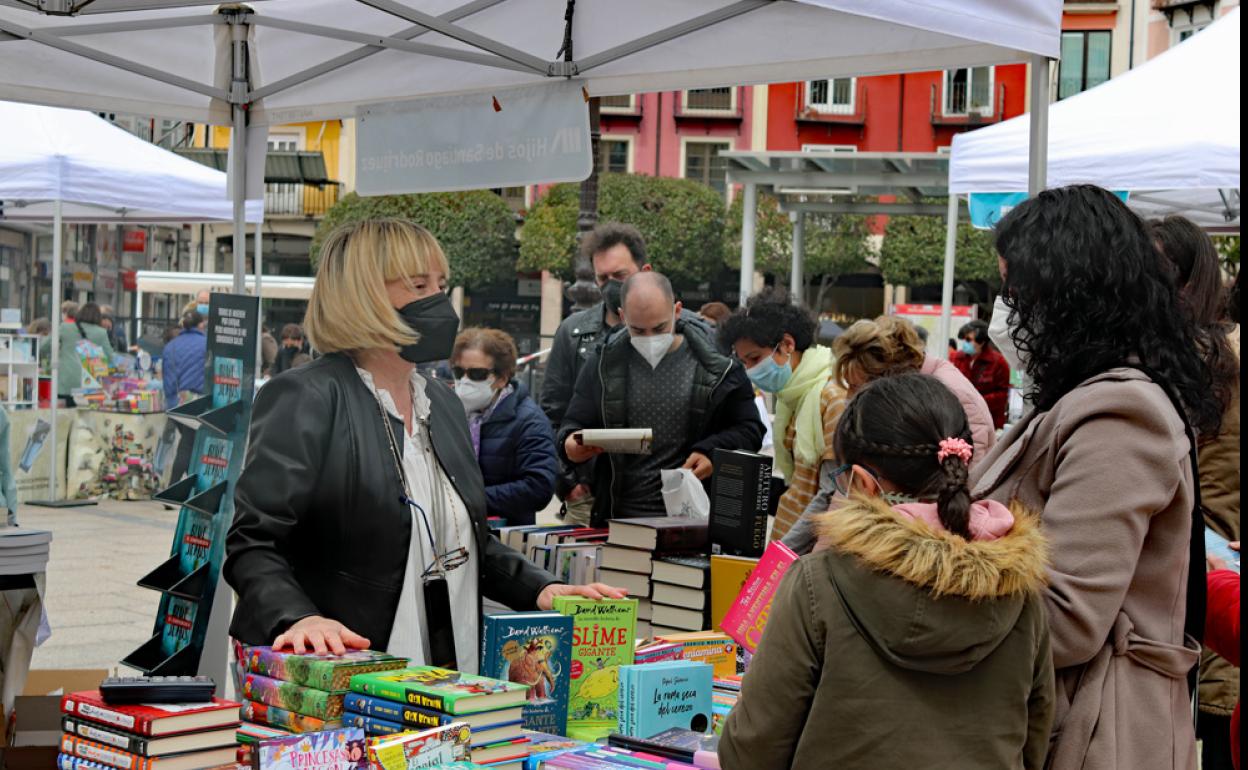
(151, 719)
(748, 615)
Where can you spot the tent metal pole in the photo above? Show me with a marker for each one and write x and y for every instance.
(54, 359)
(749, 209)
(941, 349)
(1038, 140)
(238, 169)
(259, 300)
(797, 281)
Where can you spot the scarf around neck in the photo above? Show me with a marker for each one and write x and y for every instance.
(799, 403)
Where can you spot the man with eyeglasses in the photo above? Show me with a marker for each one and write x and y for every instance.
(663, 373)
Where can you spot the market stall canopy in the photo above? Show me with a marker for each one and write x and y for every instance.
(321, 59)
(1167, 132)
(275, 286)
(100, 173)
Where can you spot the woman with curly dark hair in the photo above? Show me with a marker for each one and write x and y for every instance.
(1202, 295)
(1106, 458)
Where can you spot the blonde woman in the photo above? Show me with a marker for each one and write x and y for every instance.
(360, 512)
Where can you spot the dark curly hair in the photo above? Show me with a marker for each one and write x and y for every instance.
(1088, 291)
(765, 319)
(894, 426)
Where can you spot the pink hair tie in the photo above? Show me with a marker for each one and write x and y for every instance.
(955, 447)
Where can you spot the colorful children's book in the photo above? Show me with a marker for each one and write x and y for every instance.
(83, 748)
(148, 747)
(534, 649)
(712, 647)
(373, 726)
(675, 743)
(603, 635)
(320, 672)
(151, 720)
(544, 746)
(430, 748)
(657, 652)
(273, 716)
(500, 751)
(341, 749)
(728, 576)
(746, 618)
(661, 696)
(292, 697)
(441, 689)
(423, 718)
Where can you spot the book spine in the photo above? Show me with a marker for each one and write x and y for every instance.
(128, 722)
(84, 749)
(81, 729)
(748, 615)
(398, 692)
(272, 716)
(687, 538)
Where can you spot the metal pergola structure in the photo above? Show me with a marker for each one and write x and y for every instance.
(819, 182)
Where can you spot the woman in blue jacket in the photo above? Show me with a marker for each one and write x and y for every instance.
(513, 440)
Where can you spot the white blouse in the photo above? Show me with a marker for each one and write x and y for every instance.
(452, 528)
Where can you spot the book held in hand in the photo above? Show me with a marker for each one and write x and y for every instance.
(441, 689)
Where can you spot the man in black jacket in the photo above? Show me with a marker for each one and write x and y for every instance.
(664, 373)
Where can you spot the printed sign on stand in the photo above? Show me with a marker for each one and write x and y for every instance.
(484, 140)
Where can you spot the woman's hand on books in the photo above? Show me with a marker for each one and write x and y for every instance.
(320, 635)
(546, 599)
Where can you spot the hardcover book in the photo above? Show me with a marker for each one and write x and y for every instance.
(674, 743)
(111, 755)
(665, 534)
(533, 649)
(148, 747)
(544, 746)
(657, 652)
(441, 689)
(292, 697)
(429, 748)
(500, 751)
(320, 672)
(283, 719)
(740, 502)
(747, 617)
(603, 637)
(728, 576)
(151, 720)
(661, 696)
(423, 718)
(688, 571)
(341, 749)
(712, 647)
(374, 726)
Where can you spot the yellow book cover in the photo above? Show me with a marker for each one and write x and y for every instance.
(712, 647)
(728, 576)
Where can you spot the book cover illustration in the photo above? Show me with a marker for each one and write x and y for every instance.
(748, 615)
(718, 649)
(283, 719)
(341, 749)
(227, 381)
(532, 649)
(603, 637)
(441, 689)
(322, 672)
(292, 697)
(372, 725)
(431, 748)
(666, 695)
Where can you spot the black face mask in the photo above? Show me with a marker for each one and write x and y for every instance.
(611, 294)
(434, 319)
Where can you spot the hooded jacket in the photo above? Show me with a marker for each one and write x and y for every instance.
(901, 647)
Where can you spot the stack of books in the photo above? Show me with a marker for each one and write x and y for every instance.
(691, 747)
(23, 551)
(146, 737)
(250, 736)
(533, 649)
(302, 693)
(568, 552)
(662, 549)
(724, 694)
(713, 647)
(426, 697)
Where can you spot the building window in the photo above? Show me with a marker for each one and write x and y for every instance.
(1085, 62)
(703, 164)
(835, 96)
(710, 99)
(284, 142)
(613, 155)
(617, 103)
(968, 91)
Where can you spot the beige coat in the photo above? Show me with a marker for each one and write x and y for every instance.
(1108, 468)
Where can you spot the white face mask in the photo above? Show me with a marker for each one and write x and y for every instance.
(654, 347)
(475, 395)
(999, 331)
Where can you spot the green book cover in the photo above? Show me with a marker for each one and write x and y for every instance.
(321, 672)
(292, 697)
(441, 689)
(603, 635)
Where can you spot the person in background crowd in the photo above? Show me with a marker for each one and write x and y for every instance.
(775, 341)
(1104, 455)
(293, 344)
(953, 348)
(69, 310)
(980, 361)
(41, 328)
(1222, 632)
(116, 329)
(182, 372)
(268, 352)
(202, 300)
(661, 372)
(360, 512)
(8, 482)
(511, 436)
(1198, 276)
(714, 313)
(84, 324)
(922, 332)
(922, 608)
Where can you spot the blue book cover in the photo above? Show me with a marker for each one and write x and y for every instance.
(660, 696)
(373, 725)
(535, 649)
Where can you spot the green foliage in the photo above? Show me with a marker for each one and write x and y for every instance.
(681, 220)
(913, 253)
(1228, 253)
(475, 227)
(773, 236)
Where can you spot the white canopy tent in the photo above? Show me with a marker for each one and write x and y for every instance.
(60, 165)
(167, 282)
(276, 61)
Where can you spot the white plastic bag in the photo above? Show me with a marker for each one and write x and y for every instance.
(683, 495)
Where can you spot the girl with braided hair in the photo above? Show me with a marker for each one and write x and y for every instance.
(915, 636)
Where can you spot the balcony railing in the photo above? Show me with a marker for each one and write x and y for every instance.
(966, 106)
(291, 199)
(851, 114)
(709, 103)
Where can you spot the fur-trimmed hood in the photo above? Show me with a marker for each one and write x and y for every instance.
(930, 600)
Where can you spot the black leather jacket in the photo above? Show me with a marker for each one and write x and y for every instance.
(319, 528)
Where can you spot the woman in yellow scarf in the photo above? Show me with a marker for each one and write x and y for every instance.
(775, 341)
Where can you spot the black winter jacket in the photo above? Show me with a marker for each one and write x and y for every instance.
(722, 410)
(319, 528)
(517, 459)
